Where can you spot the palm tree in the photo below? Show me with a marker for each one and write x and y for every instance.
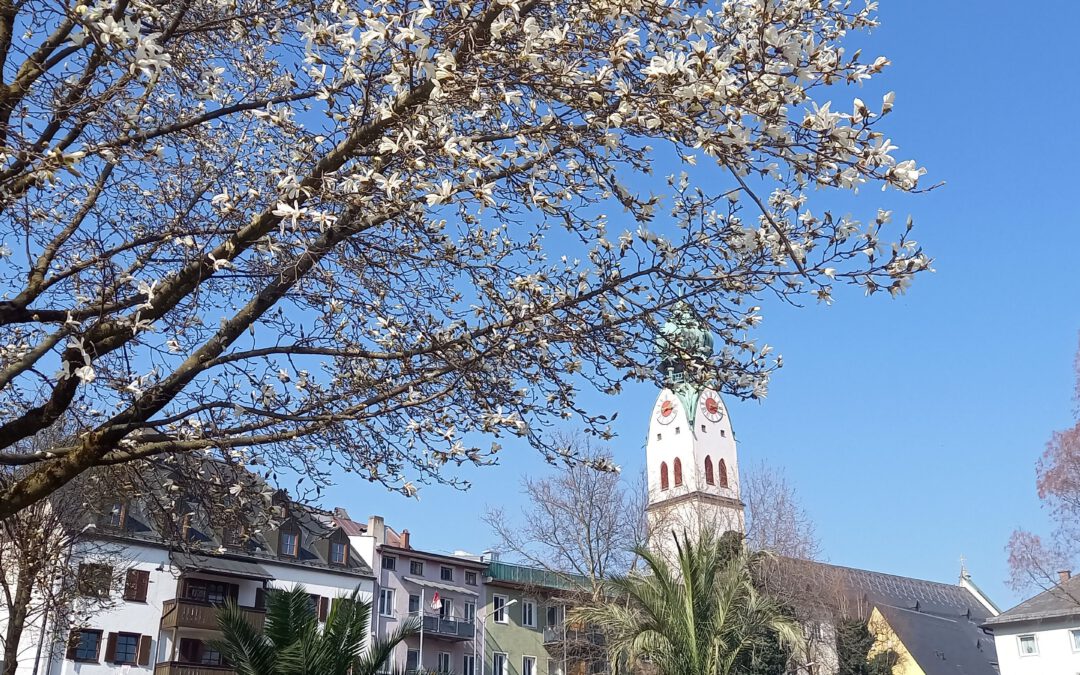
(701, 615)
(292, 642)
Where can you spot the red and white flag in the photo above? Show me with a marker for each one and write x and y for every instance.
(436, 602)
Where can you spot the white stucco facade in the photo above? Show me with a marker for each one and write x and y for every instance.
(1056, 647)
(147, 621)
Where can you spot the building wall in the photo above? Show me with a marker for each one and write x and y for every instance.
(886, 639)
(399, 581)
(1055, 649)
(515, 639)
(144, 618)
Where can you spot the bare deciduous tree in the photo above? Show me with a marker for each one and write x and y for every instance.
(43, 551)
(1035, 560)
(776, 520)
(577, 521)
(352, 234)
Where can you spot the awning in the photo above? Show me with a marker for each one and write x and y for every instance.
(216, 565)
(427, 583)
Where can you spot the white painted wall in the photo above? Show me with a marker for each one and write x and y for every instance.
(1056, 655)
(673, 436)
(144, 618)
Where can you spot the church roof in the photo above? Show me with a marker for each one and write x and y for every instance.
(933, 597)
(1060, 601)
(938, 623)
(942, 645)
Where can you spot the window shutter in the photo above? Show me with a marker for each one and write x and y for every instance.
(110, 648)
(131, 585)
(324, 607)
(260, 598)
(73, 644)
(144, 585)
(142, 657)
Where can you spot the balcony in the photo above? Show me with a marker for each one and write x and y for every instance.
(191, 614)
(175, 668)
(448, 628)
(580, 638)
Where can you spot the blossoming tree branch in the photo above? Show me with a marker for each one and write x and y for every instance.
(375, 236)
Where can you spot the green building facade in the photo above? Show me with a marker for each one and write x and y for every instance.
(524, 631)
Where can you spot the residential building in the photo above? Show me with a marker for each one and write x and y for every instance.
(1041, 635)
(163, 617)
(439, 590)
(524, 625)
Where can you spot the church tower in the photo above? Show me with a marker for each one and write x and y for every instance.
(693, 470)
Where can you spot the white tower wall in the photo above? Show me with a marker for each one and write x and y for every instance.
(692, 437)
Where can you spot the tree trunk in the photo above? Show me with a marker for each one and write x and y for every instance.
(17, 613)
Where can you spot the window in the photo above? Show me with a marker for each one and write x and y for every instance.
(469, 611)
(444, 662)
(468, 665)
(339, 553)
(231, 536)
(85, 645)
(498, 663)
(528, 665)
(94, 579)
(446, 573)
(553, 615)
(677, 468)
(528, 614)
(389, 562)
(127, 645)
(1074, 635)
(416, 568)
(722, 468)
(138, 581)
(386, 601)
(212, 592)
(553, 668)
(498, 610)
(446, 608)
(289, 541)
(1028, 645)
(118, 515)
(708, 471)
(414, 604)
(412, 660)
(197, 651)
(663, 476)
(470, 578)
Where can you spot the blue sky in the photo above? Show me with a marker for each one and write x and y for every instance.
(911, 427)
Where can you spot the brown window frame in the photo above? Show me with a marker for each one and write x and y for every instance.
(663, 476)
(295, 553)
(75, 639)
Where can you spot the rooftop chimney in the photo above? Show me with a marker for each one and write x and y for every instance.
(376, 529)
(1064, 575)
(405, 539)
(341, 513)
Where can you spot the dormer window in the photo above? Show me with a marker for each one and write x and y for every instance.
(289, 541)
(339, 553)
(231, 536)
(118, 515)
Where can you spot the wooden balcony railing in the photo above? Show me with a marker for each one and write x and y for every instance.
(174, 668)
(189, 614)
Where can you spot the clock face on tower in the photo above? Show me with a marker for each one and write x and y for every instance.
(665, 409)
(711, 407)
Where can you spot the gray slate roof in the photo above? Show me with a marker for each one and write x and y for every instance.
(1062, 600)
(939, 623)
(942, 645)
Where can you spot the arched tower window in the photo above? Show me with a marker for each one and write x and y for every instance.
(678, 472)
(722, 467)
(663, 476)
(708, 470)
